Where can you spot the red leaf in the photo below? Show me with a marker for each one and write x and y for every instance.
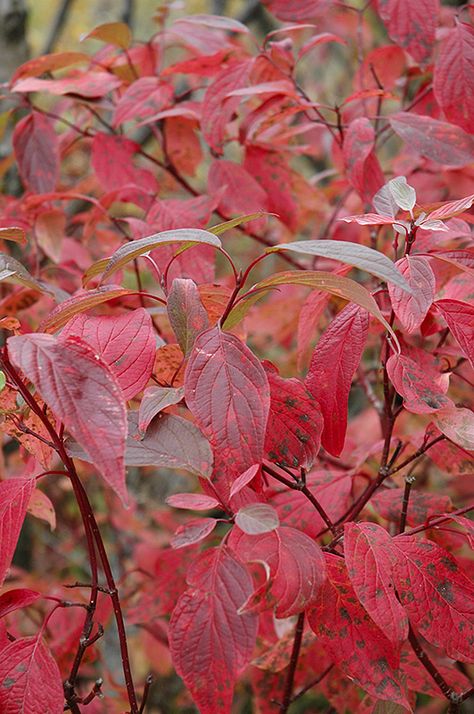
(453, 80)
(437, 596)
(240, 193)
(331, 489)
(296, 10)
(367, 553)
(460, 319)
(411, 24)
(186, 312)
(30, 681)
(154, 400)
(423, 389)
(244, 479)
(210, 642)
(112, 161)
(78, 303)
(351, 637)
(294, 424)
(36, 149)
(421, 506)
(15, 494)
(16, 599)
(125, 342)
(362, 167)
(82, 393)
(193, 532)
(437, 140)
(412, 309)
(295, 572)
(271, 171)
(334, 362)
(227, 391)
(143, 98)
(217, 107)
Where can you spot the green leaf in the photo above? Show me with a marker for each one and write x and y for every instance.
(128, 252)
(372, 261)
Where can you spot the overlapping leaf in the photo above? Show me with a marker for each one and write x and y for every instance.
(411, 309)
(227, 391)
(82, 393)
(352, 638)
(125, 342)
(295, 423)
(30, 681)
(186, 312)
(437, 595)
(15, 494)
(334, 362)
(295, 564)
(210, 642)
(368, 558)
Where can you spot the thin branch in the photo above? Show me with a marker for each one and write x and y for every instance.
(409, 481)
(301, 486)
(295, 653)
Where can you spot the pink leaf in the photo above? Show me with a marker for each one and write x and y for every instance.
(15, 494)
(370, 219)
(295, 569)
(423, 389)
(186, 312)
(412, 309)
(192, 501)
(154, 400)
(16, 599)
(294, 424)
(227, 391)
(143, 98)
(257, 518)
(40, 506)
(457, 423)
(218, 108)
(453, 80)
(83, 393)
(367, 554)
(30, 681)
(437, 596)
(193, 532)
(351, 637)
(362, 167)
(36, 150)
(460, 319)
(411, 25)
(452, 208)
(244, 479)
(437, 140)
(125, 342)
(90, 85)
(296, 10)
(210, 642)
(334, 362)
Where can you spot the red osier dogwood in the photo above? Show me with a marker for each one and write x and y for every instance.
(243, 283)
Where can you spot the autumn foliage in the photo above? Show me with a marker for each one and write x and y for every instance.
(237, 302)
